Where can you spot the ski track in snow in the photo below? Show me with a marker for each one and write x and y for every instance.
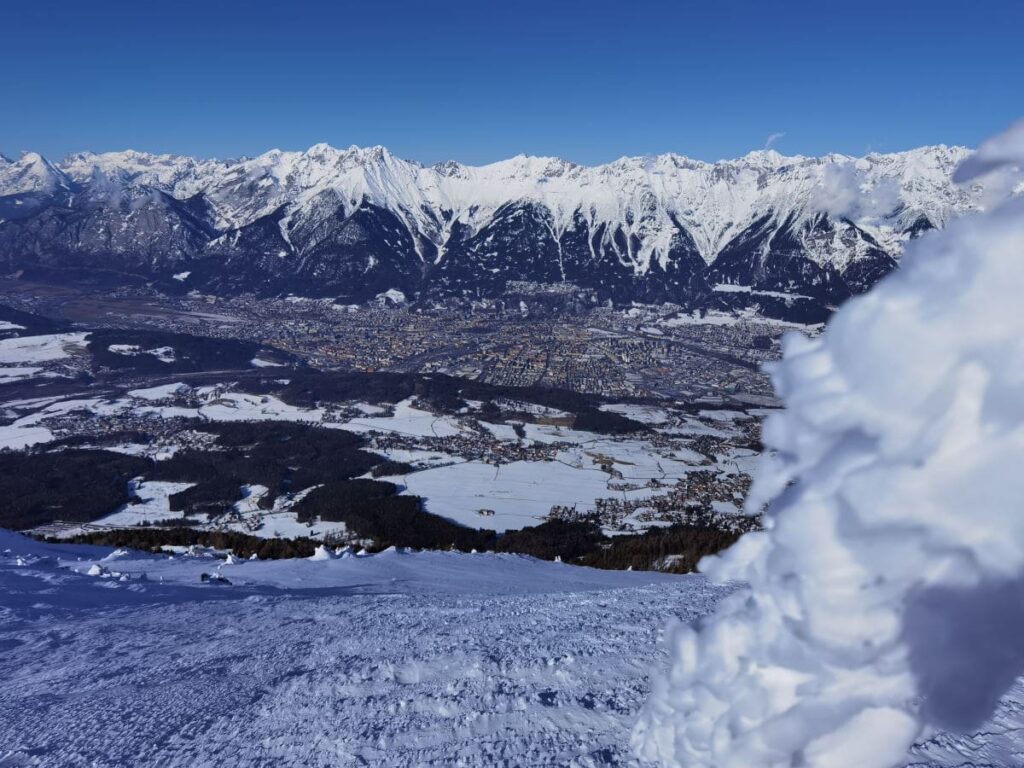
(98, 672)
(388, 660)
(553, 680)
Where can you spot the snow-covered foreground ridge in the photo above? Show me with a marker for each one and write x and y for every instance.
(119, 658)
(885, 596)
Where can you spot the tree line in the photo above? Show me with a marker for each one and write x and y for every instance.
(448, 394)
(77, 485)
(677, 549)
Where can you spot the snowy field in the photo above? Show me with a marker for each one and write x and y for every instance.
(17, 351)
(580, 468)
(38, 349)
(395, 659)
(519, 494)
(153, 505)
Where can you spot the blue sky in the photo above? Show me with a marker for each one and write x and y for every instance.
(479, 81)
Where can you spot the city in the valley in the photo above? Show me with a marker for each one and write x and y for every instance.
(544, 408)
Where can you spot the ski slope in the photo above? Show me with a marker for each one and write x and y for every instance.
(394, 659)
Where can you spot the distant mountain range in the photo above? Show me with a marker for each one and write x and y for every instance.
(789, 236)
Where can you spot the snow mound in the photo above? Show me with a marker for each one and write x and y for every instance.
(322, 553)
(885, 596)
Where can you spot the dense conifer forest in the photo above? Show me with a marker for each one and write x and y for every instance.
(72, 485)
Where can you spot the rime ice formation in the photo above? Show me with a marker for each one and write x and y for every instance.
(887, 594)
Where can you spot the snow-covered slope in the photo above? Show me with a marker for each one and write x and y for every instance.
(360, 220)
(396, 659)
(30, 173)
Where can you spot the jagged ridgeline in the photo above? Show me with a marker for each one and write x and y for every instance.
(791, 236)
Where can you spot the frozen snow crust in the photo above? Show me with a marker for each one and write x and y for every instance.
(119, 658)
(886, 596)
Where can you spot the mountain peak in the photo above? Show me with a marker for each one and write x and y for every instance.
(678, 161)
(638, 228)
(768, 158)
(31, 173)
(449, 168)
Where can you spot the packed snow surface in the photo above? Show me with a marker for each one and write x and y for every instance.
(885, 598)
(394, 659)
(120, 658)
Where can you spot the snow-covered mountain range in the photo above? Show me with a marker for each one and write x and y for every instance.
(356, 222)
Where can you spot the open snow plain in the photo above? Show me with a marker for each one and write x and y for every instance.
(392, 659)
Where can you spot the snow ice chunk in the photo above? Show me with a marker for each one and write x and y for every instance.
(322, 553)
(884, 597)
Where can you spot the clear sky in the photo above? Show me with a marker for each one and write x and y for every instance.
(479, 81)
